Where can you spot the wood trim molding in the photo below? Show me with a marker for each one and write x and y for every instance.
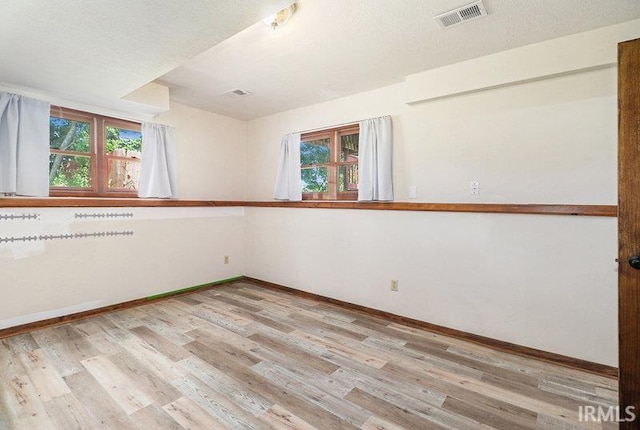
(628, 227)
(64, 319)
(523, 351)
(532, 209)
(535, 209)
(76, 202)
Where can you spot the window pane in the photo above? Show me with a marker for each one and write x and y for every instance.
(123, 174)
(123, 143)
(349, 147)
(69, 171)
(123, 147)
(314, 180)
(348, 178)
(314, 151)
(69, 135)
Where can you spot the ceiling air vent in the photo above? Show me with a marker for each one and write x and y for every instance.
(462, 14)
(237, 92)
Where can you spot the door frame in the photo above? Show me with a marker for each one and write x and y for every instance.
(629, 231)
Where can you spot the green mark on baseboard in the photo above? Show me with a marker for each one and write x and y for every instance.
(197, 287)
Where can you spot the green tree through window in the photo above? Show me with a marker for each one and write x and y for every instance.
(92, 155)
(118, 138)
(329, 164)
(314, 154)
(71, 168)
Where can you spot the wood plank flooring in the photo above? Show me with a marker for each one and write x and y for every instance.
(245, 357)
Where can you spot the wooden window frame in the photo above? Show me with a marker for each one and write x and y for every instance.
(99, 159)
(333, 166)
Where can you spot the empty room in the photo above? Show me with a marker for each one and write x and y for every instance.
(321, 214)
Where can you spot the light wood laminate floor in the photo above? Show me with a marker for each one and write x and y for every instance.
(245, 357)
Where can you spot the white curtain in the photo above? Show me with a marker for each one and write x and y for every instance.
(289, 181)
(159, 163)
(375, 159)
(24, 146)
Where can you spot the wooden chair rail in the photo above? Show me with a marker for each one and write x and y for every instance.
(535, 209)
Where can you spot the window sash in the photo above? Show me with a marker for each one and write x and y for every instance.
(333, 166)
(73, 115)
(99, 159)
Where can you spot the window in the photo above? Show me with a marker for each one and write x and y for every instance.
(329, 164)
(93, 155)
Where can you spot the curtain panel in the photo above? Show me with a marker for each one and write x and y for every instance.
(158, 163)
(288, 180)
(24, 146)
(375, 159)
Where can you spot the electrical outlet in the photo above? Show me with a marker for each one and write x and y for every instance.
(226, 259)
(394, 285)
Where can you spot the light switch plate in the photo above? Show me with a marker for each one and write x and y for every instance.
(474, 188)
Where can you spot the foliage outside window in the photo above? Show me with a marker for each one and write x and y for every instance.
(93, 155)
(329, 164)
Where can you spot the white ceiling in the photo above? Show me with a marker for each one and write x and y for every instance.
(98, 51)
(334, 48)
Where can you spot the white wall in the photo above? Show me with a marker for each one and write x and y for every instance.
(548, 141)
(171, 248)
(211, 153)
(547, 282)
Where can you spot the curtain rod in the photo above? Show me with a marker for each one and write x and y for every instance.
(344, 124)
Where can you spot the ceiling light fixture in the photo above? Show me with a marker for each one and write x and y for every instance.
(279, 19)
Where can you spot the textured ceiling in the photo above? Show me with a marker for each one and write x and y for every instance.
(100, 50)
(334, 48)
